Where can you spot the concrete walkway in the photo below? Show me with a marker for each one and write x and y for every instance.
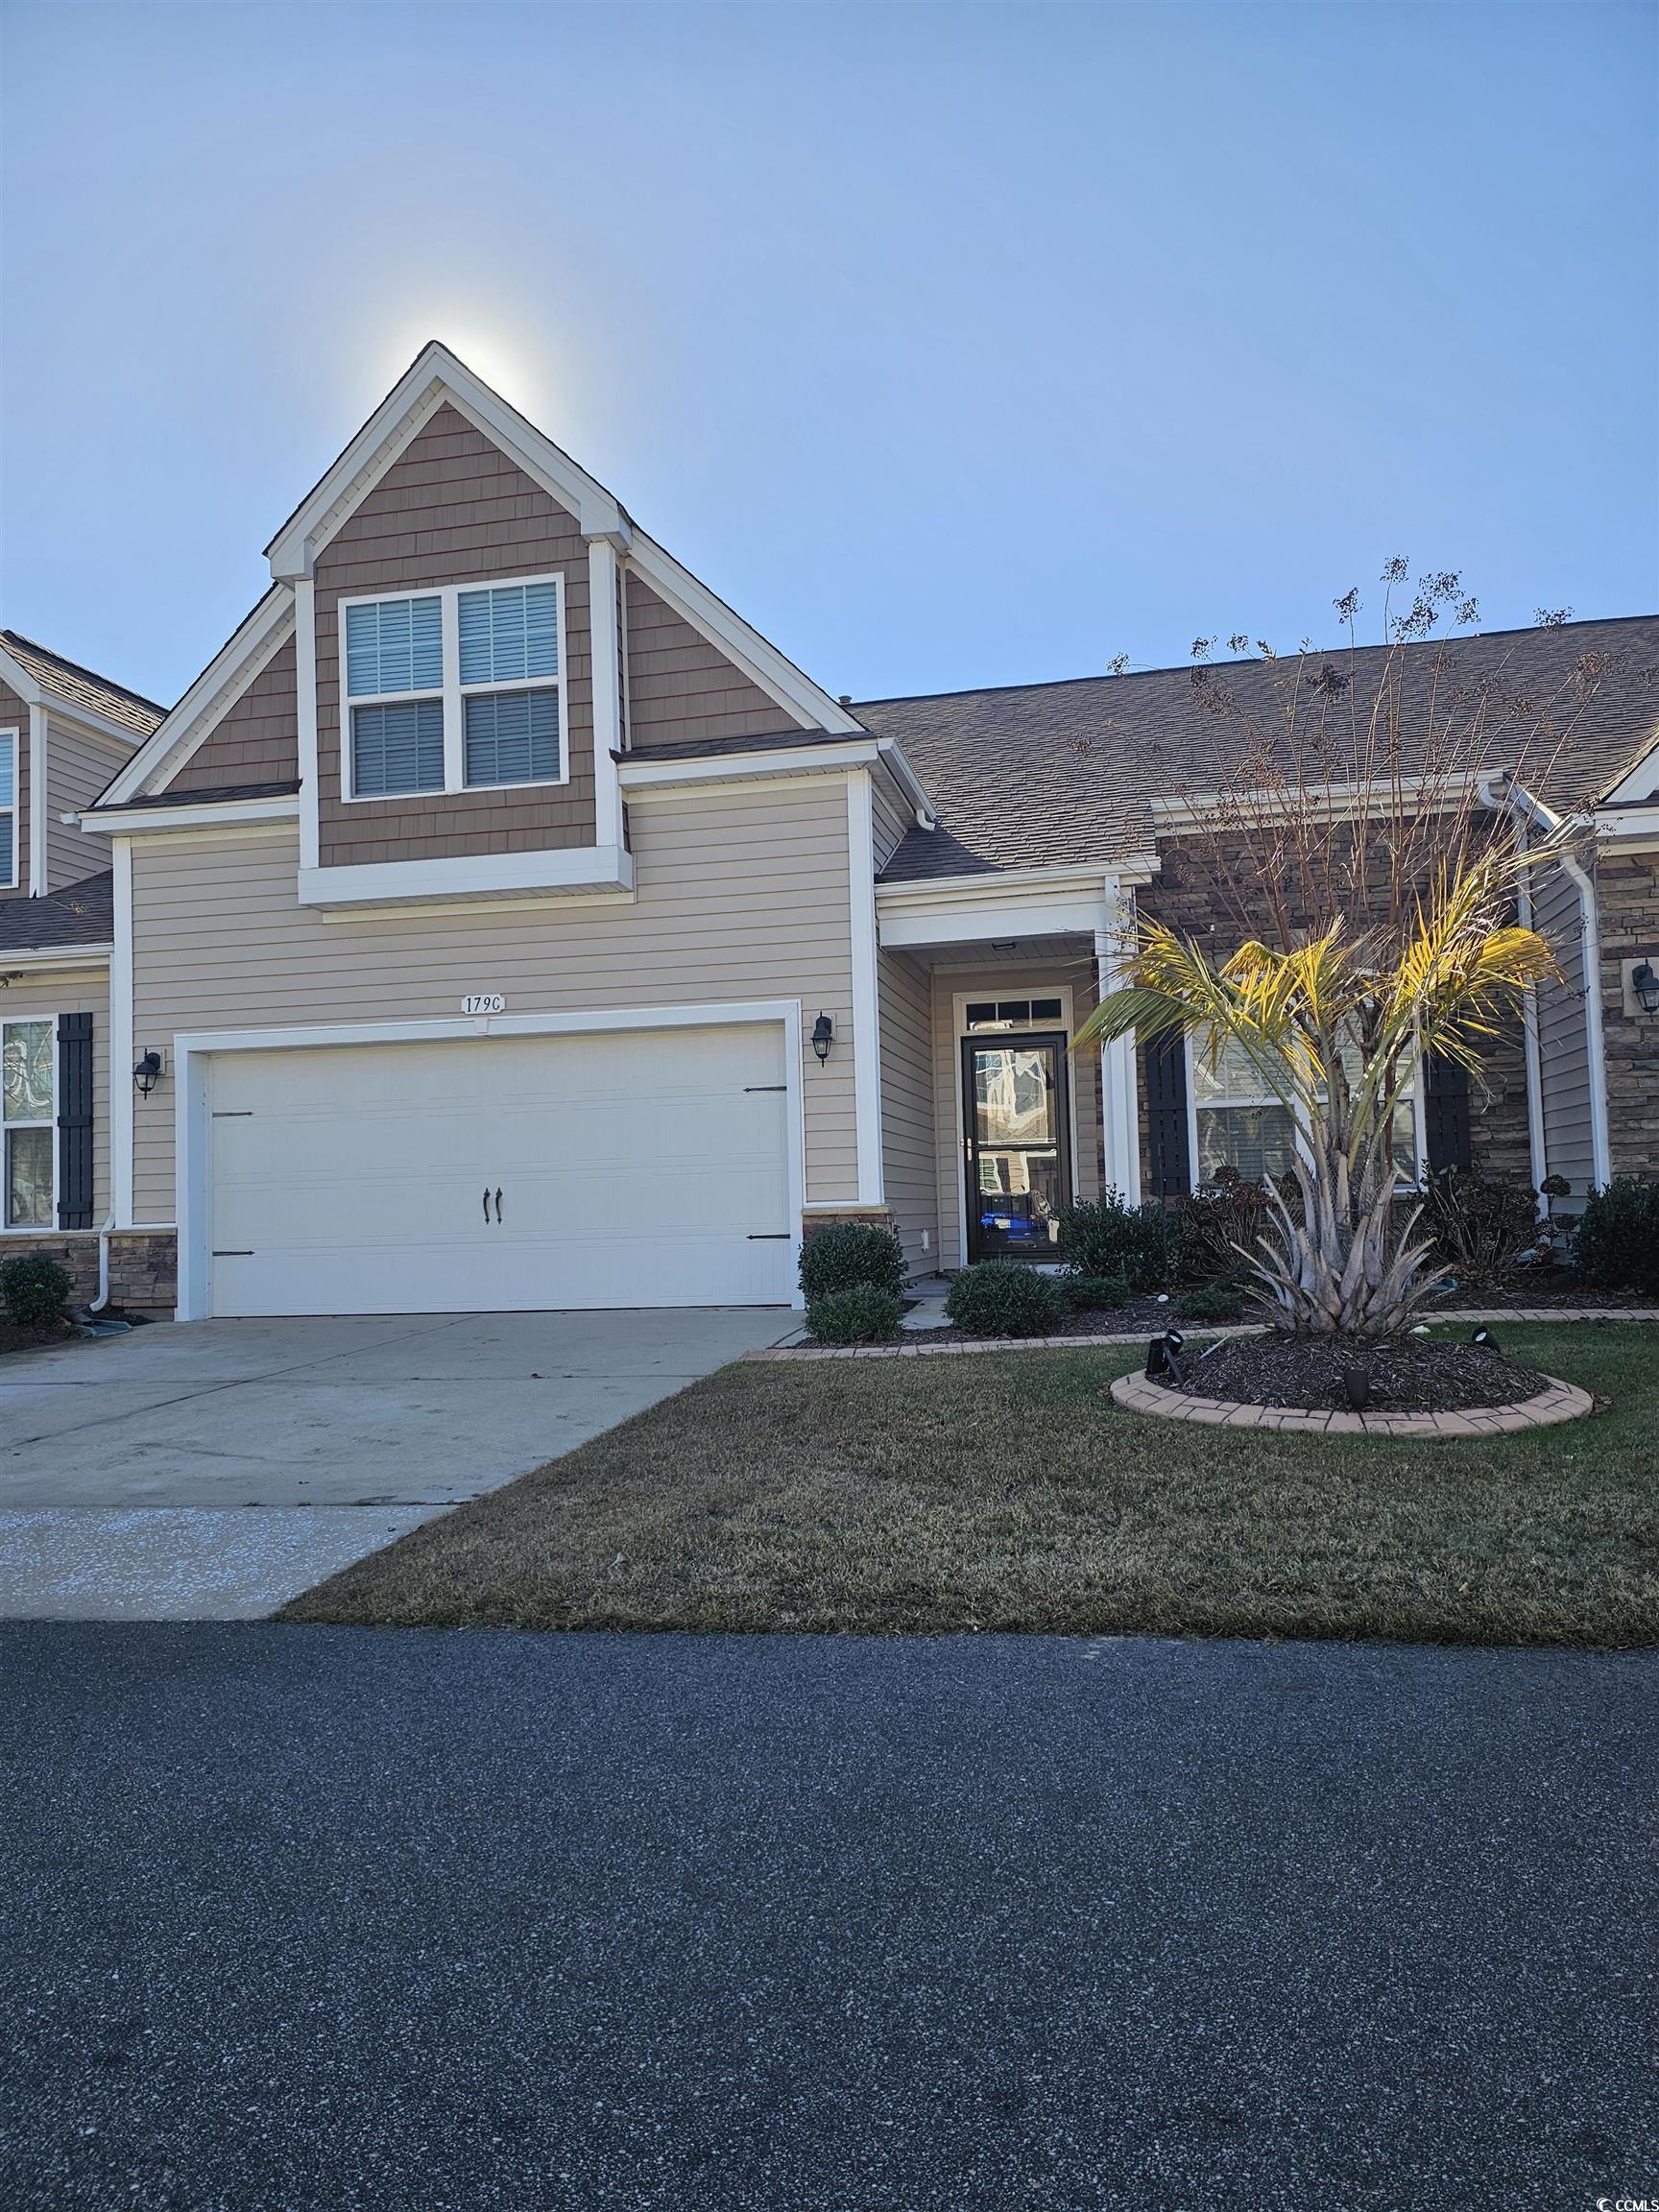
(209, 1471)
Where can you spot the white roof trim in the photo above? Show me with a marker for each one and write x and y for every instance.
(437, 376)
(862, 750)
(1640, 781)
(209, 814)
(251, 649)
(1013, 883)
(19, 958)
(34, 693)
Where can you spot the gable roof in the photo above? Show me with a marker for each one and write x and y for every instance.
(80, 690)
(82, 913)
(1063, 774)
(436, 376)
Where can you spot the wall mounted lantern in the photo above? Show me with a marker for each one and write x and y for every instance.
(1645, 982)
(822, 1037)
(147, 1074)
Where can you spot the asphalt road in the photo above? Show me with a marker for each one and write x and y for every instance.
(333, 1919)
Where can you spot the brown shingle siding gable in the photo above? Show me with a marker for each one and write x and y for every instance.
(256, 740)
(453, 509)
(681, 688)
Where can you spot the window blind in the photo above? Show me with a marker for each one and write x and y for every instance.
(513, 737)
(395, 645)
(509, 633)
(398, 747)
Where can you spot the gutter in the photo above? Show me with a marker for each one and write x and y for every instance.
(1504, 794)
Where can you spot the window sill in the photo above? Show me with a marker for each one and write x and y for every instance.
(570, 870)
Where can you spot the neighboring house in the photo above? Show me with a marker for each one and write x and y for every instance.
(63, 732)
(499, 921)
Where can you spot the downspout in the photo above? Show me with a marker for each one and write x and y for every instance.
(1521, 802)
(103, 1298)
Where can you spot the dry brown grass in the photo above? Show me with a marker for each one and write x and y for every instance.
(1004, 1491)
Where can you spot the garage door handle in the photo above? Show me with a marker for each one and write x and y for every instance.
(485, 1201)
(497, 1207)
(768, 1235)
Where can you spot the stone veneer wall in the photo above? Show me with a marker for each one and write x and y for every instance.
(143, 1265)
(1188, 899)
(1628, 895)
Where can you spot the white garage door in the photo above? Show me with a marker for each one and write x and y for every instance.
(625, 1168)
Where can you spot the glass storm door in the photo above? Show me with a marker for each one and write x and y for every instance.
(1014, 1115)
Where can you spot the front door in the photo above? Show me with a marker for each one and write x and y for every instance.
(1013, 1111)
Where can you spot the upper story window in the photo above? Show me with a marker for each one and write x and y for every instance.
(8, 809)
(456, 690)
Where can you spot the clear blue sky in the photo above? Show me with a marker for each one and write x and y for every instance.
(953, 346)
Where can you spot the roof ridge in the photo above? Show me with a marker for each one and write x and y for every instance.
(1253, 660)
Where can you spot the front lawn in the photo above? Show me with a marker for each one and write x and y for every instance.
(1005, 1491)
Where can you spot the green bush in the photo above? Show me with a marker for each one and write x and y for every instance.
(847, 1254)
(1215, 1302)
(1616, 1247)
(33, 1290)
(1104, 1236)
(863, 1314)
(1481, 1224)
(1001, 1298)
(1094, 1293)
(1215, 1221)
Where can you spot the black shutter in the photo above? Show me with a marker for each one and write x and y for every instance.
(75, 1121)
(1164, 1071)
(1446, 1113)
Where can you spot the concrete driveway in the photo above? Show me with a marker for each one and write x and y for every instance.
(209, 1471)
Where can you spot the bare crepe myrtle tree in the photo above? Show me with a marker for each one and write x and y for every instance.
(1368, 875)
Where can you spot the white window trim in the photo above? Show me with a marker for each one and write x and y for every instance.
(13, 738)
(961, 1034)
(31, 1228)
(1194, 1182)
(452, 692)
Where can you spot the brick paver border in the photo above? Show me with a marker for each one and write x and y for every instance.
(1560, 1401)
(919, 1348)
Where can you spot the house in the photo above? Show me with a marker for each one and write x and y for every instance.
(63, 733)
(499, 921)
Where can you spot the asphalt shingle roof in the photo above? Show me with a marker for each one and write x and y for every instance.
(79, 687)
(1063, 774)
(82, 913)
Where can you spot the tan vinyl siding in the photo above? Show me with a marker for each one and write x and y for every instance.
(1563, 1037)
(742, 896)
(681, 689)
(909, 1166)
(78, 766)
(14, 716)
(75, 991)
(453, 509)
(892, 818)
(256, 739)
(1075, 972)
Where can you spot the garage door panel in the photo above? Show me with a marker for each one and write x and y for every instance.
(634, 1168)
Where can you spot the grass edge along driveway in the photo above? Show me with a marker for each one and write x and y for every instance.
(1005, 1491)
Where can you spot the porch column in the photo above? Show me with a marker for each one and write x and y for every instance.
(1119, 1089)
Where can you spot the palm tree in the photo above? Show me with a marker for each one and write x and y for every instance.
(1334, 1028)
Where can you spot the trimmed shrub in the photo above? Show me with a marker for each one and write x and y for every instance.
(863, 1314)
(1617, 1246)
(1001, 1298)
(1215, 1302)
(1094, 1293)
(1481, 1224)
(34, 1290)
(847, 1254)
(1104, 1236)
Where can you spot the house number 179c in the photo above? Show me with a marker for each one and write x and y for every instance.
(483, 1003)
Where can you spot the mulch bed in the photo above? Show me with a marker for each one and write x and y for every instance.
(1553, 1288)
(15, 1339)
(1408, 1375)
(1141, 1317)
